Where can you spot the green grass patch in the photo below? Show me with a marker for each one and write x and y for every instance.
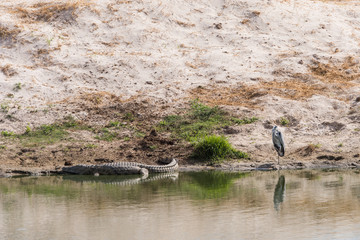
(7, 134)
(106, 134)
(200, 121)
(129, 117)
(216, 148)
(245, 120)
(139, 134)
(313, 145)
(49, 133)
(90, 146)
(113, 124)
(45, 134)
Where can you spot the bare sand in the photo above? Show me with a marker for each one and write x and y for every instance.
(93, 60)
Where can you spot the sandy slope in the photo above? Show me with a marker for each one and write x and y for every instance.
(270, 59)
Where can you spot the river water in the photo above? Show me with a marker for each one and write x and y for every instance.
(310, 204)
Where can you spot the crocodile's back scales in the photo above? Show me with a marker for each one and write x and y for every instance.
(120, 168)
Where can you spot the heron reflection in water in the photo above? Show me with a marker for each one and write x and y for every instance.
(279, 192)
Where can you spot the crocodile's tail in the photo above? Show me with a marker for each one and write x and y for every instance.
(170, 167)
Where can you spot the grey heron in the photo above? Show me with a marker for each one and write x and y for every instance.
(278, 141)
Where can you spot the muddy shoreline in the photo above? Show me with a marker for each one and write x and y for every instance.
(228, 167)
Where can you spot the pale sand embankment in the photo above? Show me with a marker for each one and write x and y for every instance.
(95, 60)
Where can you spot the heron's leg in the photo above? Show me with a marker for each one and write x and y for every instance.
(278, 160)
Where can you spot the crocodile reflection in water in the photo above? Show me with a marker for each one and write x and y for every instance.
(123, 181)
(279, 192)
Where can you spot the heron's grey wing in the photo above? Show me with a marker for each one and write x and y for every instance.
(281, 138)
(274, 139)
(282, 145)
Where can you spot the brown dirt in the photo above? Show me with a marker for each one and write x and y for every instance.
(81, 146)
(144, 145)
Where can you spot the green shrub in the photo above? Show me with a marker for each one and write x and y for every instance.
(17, 87)
(5, 108)
(215, 148)
(7, 134)
(27, 130)
(284, 121)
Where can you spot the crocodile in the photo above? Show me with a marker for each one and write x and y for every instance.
(120, 168)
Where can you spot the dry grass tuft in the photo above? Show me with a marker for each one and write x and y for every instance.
(7, 70)
(93, 99)
(42, 57)
(330, 80)
(8, 35)
(339, 2)
(339, 74)
(247, 96)
(294, 89)
(306, 150)
(52, 12)
(184, 24)
(241, 95)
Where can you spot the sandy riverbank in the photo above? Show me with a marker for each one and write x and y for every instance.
(103, 61)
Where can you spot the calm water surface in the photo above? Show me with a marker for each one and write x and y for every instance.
(206, 205)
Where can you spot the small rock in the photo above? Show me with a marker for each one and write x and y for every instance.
(267, 124)
(218, 25)
(153, 132)
(68, 163)
(24, 150)
(328, 157)
(102, 160)
(348, 71)
(339, 158)
(266, 166)
(230, 130)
